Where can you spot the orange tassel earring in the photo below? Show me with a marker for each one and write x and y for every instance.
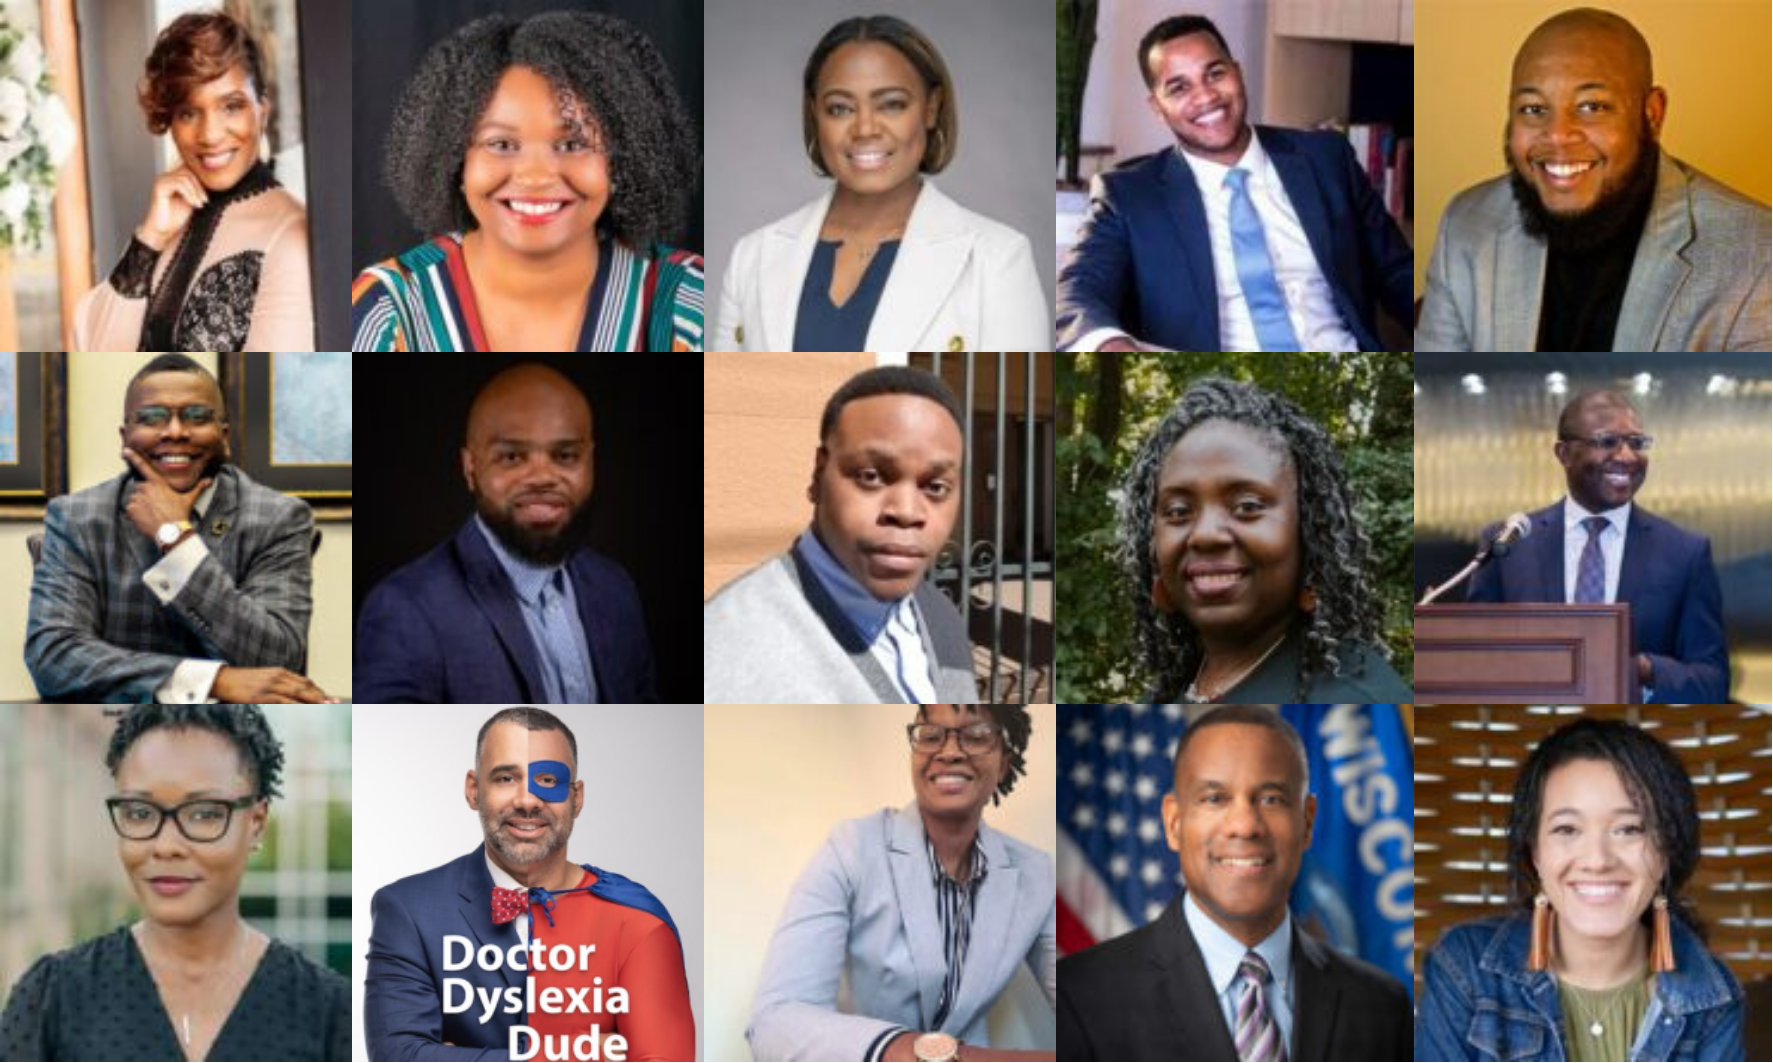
(1307, 600)
(1539, 951)
(1661, 943)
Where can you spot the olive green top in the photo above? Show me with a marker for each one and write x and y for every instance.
(1615, 1012)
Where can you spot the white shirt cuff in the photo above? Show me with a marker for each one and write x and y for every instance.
(189, 683)
(1093, 340)
(170, 574)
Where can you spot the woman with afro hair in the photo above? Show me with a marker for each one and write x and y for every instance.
(552, 158)
(1247, 566)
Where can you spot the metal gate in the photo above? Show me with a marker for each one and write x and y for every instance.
(999, 571)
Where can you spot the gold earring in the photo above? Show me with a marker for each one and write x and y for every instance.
(1539, 949)
(1661, 941)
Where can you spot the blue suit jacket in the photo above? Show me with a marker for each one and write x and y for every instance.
(1144, 262)
(447, 629)
(1677, 611)
(403, 1015)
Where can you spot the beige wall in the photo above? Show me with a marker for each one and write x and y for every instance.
(96, 385)
(776, 779)
(760, 427)
(1711, 56)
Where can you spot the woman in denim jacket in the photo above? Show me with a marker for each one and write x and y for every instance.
(1604, 958)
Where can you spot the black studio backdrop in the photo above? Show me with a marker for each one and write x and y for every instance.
(389, 38)
(409, 495)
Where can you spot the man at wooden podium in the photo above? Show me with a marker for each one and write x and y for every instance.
(1596, 546)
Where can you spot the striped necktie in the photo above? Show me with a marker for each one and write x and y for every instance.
(1591, 570)
(1258, 1035)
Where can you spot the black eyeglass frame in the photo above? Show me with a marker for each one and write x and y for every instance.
(175, 814)
(995, 732)
(210, 415)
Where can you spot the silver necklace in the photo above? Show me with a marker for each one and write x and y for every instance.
(1195, 696)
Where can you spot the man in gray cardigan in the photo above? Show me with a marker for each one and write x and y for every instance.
(845, 616)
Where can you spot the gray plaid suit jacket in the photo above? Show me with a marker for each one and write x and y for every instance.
(97, 633)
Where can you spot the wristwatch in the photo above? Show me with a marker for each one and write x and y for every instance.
(171, 532)
(936, 1047)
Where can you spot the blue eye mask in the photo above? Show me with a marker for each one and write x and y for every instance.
(563, 786)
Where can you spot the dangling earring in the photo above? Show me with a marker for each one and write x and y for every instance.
(1160, 596)
(1307, 600)
(1539, 951)
(1661, 943)
(264, 146)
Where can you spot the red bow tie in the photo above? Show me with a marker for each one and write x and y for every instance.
(508, 904)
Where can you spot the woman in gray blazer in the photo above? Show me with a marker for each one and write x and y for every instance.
(899, 905)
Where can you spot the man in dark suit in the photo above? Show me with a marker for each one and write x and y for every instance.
(1597, 546)
(515, 607)
(1224, 973)
(180, 579)
(1241, 238)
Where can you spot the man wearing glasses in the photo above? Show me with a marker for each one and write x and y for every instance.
(180, 580)
(1595, 546)
(924, 911)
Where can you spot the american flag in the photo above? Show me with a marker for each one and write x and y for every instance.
(1116, 873)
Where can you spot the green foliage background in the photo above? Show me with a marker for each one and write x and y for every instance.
(1109, 403)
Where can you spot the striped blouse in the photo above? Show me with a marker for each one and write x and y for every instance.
(421, 300)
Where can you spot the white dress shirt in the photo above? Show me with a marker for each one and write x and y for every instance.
(1311, 306)
(1576, 540)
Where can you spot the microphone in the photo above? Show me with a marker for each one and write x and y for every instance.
(1514, 529)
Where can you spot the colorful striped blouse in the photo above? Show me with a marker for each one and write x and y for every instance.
(421, 300)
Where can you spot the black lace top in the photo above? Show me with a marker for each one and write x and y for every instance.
(215, 312)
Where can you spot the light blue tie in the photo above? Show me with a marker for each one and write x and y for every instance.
(564, 651)
(1255, 270)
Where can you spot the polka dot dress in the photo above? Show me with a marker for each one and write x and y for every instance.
(97, 1001)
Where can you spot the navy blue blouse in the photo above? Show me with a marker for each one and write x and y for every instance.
(822, 325)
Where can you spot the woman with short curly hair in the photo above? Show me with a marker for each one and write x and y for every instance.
(220, 261)
(191, 979)
(553, 159)
(1248, 567)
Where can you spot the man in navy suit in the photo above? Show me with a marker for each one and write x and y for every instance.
(1596, 546)
(429, 993)
(515, 607)
(1240, 239)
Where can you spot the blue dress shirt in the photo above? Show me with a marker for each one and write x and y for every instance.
(1223, 953)
(551, 613)
(893, 630)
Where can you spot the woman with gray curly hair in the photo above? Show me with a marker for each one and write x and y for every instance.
(1250, 573)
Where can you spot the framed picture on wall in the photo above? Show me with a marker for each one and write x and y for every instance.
(33, 432)
(289, 419)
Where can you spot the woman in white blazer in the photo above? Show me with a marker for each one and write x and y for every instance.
(883, 261)
(879, 911)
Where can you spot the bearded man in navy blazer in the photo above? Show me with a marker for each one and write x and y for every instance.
(1597, 546)
(515, 607)
(1240, 238)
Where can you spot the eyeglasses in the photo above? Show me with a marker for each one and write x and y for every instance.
(1607, 442)
(157, 416)
(975, 738)
(203, 820)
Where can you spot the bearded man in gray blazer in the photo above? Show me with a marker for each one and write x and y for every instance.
(1597, 239)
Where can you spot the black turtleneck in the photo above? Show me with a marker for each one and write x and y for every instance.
(1585, 289)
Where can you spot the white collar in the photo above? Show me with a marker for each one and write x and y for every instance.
(1210, 175)
(500, 876)
(1575, 513)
